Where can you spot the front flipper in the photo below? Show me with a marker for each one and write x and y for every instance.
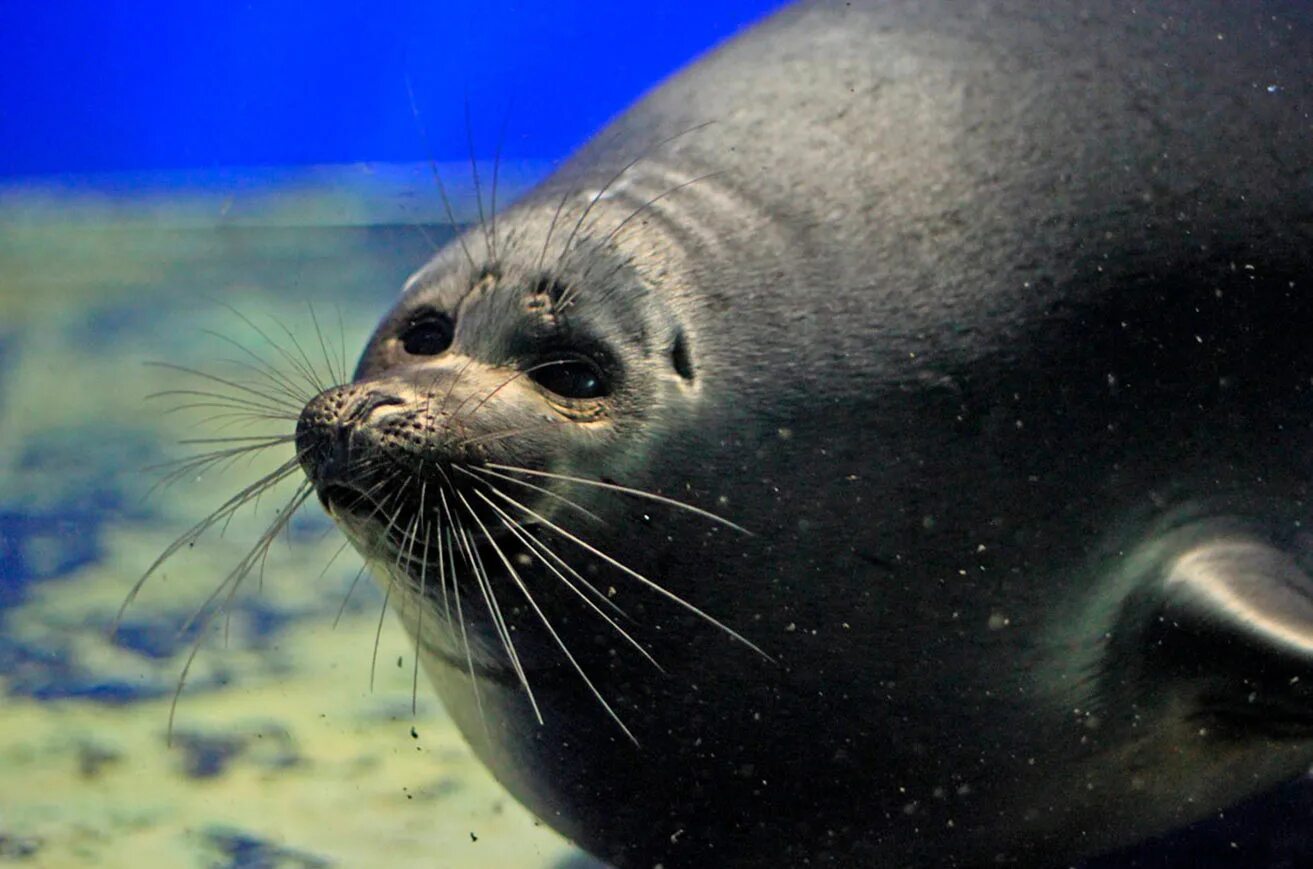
(1247, 588)
(1233, 627)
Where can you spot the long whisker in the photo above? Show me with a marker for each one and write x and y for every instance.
(248, 562)
(419, 630)
(669, 595)
(517, 529)
(333, 375)
(341, 343)
(460, 616)
(494, 610)
(193, 533)
(312, 375)
(601, 243)
(616, 177)
(508, 381)
(387, 596)
(548, 492)
(301, 368)
(264, 368)
(437, 176)
(509, 433)
(266, 400)
(546, 622)
(496, 171)
(478, 190)
(347, 597)
(560, 205)
(223, 401)
(637, 493)
(173, 471)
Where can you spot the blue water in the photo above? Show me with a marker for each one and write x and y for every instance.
(152, 84)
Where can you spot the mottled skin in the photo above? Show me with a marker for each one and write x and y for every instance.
(991, 313)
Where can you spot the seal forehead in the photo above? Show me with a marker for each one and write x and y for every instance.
(601, 296)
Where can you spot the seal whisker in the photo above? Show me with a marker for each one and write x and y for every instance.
(658, 588)
(419, 630)
(350, 588)
(378, 631)
(262, 367)
(174, 470)
(565, 249)
(305, 370)
(266, 401)
(547, 623)
(519, 532)
(569, 191)
(333, 558)
(341, 342)
(494, 609)
(182, 678)
(387, 596)
(420, 601)
(496, 171)
(551, 227)
(478, 189)
(270, 439)
(548, 492)
(570, 296)
(192, 534)
(638, 493)
(333, 375)
(279, 389)
(507, 433)
(223, 401)
(442, 572)
(460, 616)
(237, 420)
(312, 375)
(231, 413)
(508, 381)
(546, 550)
(451, 387)
(437, 176)
(253, 556)
(456, 412)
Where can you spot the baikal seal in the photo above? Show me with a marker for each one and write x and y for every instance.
(886, 444)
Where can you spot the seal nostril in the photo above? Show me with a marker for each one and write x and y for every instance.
(367, 404)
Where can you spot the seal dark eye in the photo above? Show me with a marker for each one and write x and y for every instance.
(571, 377)
(428, 334)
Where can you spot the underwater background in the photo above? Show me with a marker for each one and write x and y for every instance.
(196, 185)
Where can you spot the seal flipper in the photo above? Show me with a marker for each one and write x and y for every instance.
(1236, 622)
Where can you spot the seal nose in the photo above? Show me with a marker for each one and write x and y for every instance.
(366, 404)
(323, 430)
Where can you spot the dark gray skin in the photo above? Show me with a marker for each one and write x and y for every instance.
(992, 327)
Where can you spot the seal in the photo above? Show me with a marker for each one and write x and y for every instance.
(888, 443)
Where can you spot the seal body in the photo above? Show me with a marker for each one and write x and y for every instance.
(990, 323)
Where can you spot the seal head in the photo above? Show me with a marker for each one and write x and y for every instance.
(989, 324)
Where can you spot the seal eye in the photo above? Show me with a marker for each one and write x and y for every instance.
(428, 334)
(571, 377)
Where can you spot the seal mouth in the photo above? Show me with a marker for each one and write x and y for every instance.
(415, 532)
(341, 498)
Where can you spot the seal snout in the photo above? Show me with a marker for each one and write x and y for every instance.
(325, 430)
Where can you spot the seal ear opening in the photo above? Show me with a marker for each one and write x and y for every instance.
(679, 357)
